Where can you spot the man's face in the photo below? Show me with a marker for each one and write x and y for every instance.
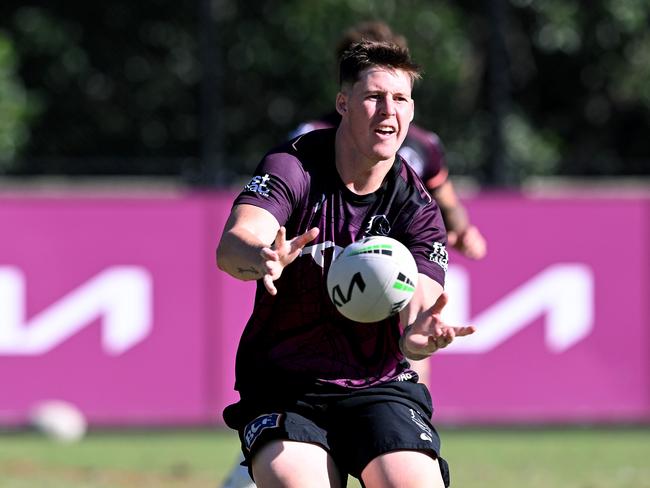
(377, 110)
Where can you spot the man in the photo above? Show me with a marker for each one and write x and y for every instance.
(322, 396)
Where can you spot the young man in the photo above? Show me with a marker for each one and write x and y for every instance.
(322, 396)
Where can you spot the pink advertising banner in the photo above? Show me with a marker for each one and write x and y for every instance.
(562, 311)
(103, 304)
(114, 303)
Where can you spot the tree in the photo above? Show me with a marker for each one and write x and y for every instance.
(17, 106)
(120, 83)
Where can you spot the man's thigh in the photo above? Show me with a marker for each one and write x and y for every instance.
(289, 446)
(294, 464)
(382, 421)
(403, 469)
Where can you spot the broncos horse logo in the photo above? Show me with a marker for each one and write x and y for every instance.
(378, 225)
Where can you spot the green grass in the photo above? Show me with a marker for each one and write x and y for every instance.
(566, 458)
(480, 458)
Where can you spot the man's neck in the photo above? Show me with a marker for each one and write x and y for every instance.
(359, 174)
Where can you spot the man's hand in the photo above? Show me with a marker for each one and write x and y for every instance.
(281, 254)
(429, 333)
(470, 243)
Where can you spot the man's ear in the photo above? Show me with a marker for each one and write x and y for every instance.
(341, 103)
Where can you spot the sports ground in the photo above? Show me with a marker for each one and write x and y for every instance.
(571, 457)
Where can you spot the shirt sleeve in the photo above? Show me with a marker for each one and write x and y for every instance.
(427, 240)
(276, 186)
(424, 151)
(435, 171)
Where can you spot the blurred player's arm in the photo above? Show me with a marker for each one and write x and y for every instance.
(254, 246)
(461, 234)
(426, 332)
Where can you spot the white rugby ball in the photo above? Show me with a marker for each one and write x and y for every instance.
(372, 279)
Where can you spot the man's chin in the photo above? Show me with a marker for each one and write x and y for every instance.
(385, 151)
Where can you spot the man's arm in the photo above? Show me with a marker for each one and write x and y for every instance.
(254, 246)
(248, 230)
(461, 234)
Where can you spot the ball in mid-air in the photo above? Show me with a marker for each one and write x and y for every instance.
(372, 279)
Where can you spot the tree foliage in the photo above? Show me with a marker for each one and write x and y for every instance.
(162, 88)
(16, 108)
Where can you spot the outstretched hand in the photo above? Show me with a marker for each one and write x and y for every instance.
(282, 253)
(429, 332)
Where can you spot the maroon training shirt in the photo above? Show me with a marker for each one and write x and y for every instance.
(297, 339)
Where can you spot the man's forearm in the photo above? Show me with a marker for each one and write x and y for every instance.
(455, 218)
(239, 256)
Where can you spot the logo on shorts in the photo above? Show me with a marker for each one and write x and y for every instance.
(439, 255)
(259, 185)
(415, 418)
(256, 426)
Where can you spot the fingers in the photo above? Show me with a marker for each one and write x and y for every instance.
(270, 259)
(442, 336)
(281, 254)
(269, 254)
(302, 240)
(472, 243)
(280, 238)
(464, 331)
(440, 303)
(269, 285)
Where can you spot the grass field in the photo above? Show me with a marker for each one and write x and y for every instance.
(486, 458)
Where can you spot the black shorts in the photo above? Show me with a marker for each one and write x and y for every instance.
(353, 426)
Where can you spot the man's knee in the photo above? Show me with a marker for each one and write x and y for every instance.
(403, 469)
(294, 464)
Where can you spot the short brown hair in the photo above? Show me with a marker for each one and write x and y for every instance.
(365, 54)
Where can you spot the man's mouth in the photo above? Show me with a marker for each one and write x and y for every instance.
(385, 130)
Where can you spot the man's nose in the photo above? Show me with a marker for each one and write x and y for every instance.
(388, 106)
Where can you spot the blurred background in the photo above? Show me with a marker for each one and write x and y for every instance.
(126, 129)
(515, 88)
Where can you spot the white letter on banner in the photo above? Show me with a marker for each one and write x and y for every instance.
(562, 293)
(120, 295)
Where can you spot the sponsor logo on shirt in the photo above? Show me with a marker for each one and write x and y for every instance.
(439, 255)
(259, 185)
(258, 425)
(406, 376)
